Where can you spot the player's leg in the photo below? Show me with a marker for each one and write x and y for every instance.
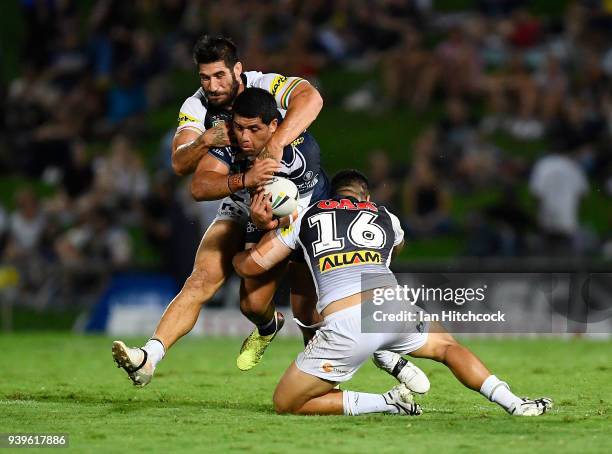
(469, 370)
(256, 304)
(212, 266)
(300, 393)
(333, 355)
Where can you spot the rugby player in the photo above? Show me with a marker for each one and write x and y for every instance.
(349, 223)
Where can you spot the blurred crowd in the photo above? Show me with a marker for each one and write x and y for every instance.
(82, 107)
(501, 71)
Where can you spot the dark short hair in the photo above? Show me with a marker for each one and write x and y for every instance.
(348, 177)
(209, 49)
(256, 103)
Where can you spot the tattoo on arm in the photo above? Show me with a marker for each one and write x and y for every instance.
(219, 135)
(265, 154)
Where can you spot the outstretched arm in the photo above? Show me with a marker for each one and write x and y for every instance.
(265, 255)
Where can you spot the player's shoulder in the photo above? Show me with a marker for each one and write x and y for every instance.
(251, 78)
(197, 99)
(384, 210)
(271, 82)
(305, 142)
(194, 108)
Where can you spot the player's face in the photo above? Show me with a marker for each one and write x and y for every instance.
(252, 134)
(219, 82)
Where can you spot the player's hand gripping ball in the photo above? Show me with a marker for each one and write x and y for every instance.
(284, 196)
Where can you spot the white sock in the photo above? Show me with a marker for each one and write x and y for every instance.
(355, 403)
(499, 392)
(155, 350)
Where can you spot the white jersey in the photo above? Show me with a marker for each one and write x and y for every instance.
(347, 245)
(197, 114)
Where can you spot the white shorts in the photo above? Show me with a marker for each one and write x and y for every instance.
(339, 348)
(235, 208)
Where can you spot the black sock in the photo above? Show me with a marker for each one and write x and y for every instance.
(267, 328)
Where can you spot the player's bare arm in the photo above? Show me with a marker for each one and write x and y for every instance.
(190, 145)
(212, 180)
(304, 106)
(264, 256)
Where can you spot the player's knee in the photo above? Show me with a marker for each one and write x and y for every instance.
(282, 406)
(441, 347)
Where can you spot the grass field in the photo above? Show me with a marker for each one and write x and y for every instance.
(199, 401)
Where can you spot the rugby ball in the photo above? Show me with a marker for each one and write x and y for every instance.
(284, 196)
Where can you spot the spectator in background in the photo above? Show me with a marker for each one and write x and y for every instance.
(384, 187)
(90, 251)
(97, 243)
(456, 130)
(168, 228)
(26, 226)
(409, 72)
(26, 239)
(578, 126)
(121, 178)
(559, 184)
(511, 222)
(426, 202)
(126, 98)
(459, 64)
(79, 176)
(552, 86)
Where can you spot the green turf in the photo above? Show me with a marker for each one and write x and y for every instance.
(200, 402)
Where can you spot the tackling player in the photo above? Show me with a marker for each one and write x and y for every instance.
(348, 225)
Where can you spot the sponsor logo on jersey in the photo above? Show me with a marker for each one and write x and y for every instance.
(344, 259)
(277, 83)
(184, 118)
(307, 185)
(346, 204)
(298, 141)
(286, 230)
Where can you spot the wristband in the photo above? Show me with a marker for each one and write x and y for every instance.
(235, 182)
